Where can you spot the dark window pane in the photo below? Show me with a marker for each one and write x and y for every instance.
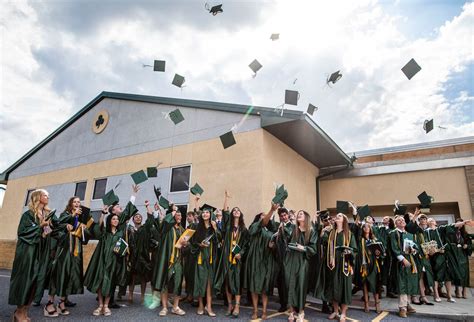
(80, 190)
(28, 194)
(183, 209)
(99, 188)
(180, 179)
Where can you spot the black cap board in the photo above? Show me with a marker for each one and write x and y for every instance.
(110, 198)
(274, 37)
(291, 97)
(176, 116)
(216, 9)
(227, 139)
(363, 212)
(342, 207)
(428, 126)
(159, 66)
(178, 80)
(197, 190)
(334, 77)
(152, 172)
(402, 210)
(281, 194)
(425, 200)
(157, 192)
(139, 177)
(208, 207)
(411, 69)
(164, 203)
(311, 109)
(255, 66)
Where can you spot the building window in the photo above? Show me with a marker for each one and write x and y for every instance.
(180, 179)
(28, 194)
(81, 190)
(99, 188)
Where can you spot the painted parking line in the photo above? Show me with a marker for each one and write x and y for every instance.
(5, 276)
(379, 317)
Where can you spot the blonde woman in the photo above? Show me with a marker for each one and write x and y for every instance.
(24, 278)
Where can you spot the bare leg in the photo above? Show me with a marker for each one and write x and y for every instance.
(237, 305)
(229, 299)
(131, 288)
(143, 289)
(343, 312)
(99, 296)
(209, 297)
(366, 297)
(164, 299)
(448, 290)
(255, 306)
(335, 307)
(436, 291)
(264, 305)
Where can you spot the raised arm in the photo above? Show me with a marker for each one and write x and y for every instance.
(269, 214)
(226, 201)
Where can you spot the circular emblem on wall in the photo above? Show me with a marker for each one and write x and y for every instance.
(100, 121)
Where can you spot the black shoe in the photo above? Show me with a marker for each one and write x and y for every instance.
(70, 304)
(114, 306)
(36, 303)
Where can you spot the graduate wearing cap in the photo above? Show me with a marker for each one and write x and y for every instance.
(204, 247)
(259, 264)
(25, 270)
(189, 258)
(168, 268)
(229, 273)
(107, 267)
(404, 249)
(71, 230)
(341, 253)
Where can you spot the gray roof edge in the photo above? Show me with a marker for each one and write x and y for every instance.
(226, 107)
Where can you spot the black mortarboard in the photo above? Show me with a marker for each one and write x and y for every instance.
(342, 207)
(152, 172)
(291, 97)
(85, 214)
(197, 190)
(164, 203)
(334, 77)
(159, 66)
(411, 69)
(275, 37)
(139, 177)
(311, 109)
(324, 214)
(255, 66)
(402, 210)
(363, 212)
(157, 192)
(428, 126)
(50, 215)
(227, 139)
(216, 9)
(425, 200)
(374, 246)
(208, 207)
(178, 80)
(176, 116)
(110, 198)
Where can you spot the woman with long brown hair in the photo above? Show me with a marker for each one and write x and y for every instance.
(342, 248)
(301, 246)
(24, 276)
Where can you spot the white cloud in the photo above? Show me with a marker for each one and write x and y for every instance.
(48, 69)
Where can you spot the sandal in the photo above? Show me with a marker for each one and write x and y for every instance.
(52, 313)
(209, 312)
(264, 315)
(229, 311)
(333, 316)
(255, 315)
(424, 300)
(107, 311)
(377, 307)
(62, 311)
(342, 318)
(366, 307)
(291, 317)
(237, 306)
(163, 312)
(178, 311)
(98, 311)
(300, 317)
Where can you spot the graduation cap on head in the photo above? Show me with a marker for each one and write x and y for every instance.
(197, 190)
(227, 139)
(323, 215)
(210, 208)
(152, 172)
(425, 200)
(334, 77)
(291, 97)
(159, 66)
(428, 126)
(255, 66)
(176, 116)
(275, 37)
(157, 192)
(178, 80)
(164, 203)
(342, 207)
(311, 109)
(139, 177)
(110, 198)
(411, 69)
(215, 9)
(363, 212)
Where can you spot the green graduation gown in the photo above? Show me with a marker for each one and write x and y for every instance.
(369, 267)
(259, 264)
(339, 286)
(139, 243)
(168, 266)
(296, 265)
(321, 287)
(189, 265)
(107, 269)
(228, 268)
(406, 277)
(455, 257)
(422, 260)
(24, 276)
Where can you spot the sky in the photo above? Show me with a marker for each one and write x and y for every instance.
(58, 55)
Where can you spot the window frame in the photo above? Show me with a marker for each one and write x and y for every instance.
(28, 194)
(85, 188)
(105, 191)
(171, 178)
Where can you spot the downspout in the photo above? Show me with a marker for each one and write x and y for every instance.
(318, 179)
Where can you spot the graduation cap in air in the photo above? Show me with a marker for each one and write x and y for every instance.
(197, 190)
(363, 212)
(334, 77)
(178, 80)
(152, 172)
(157, 192)
(176, 116)
(274, 37)
(428, 126)
(311, 109)
(159, 65)
(411, 69)
(139, 177)
(255, 66)
(291, 97)
(164, 203)
(399, 209)
(342, 207)
(281, 194)
(227, 139)
(110, 198)
(425, 200)
(214, 9)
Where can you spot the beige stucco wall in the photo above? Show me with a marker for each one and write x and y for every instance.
(445, 185)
